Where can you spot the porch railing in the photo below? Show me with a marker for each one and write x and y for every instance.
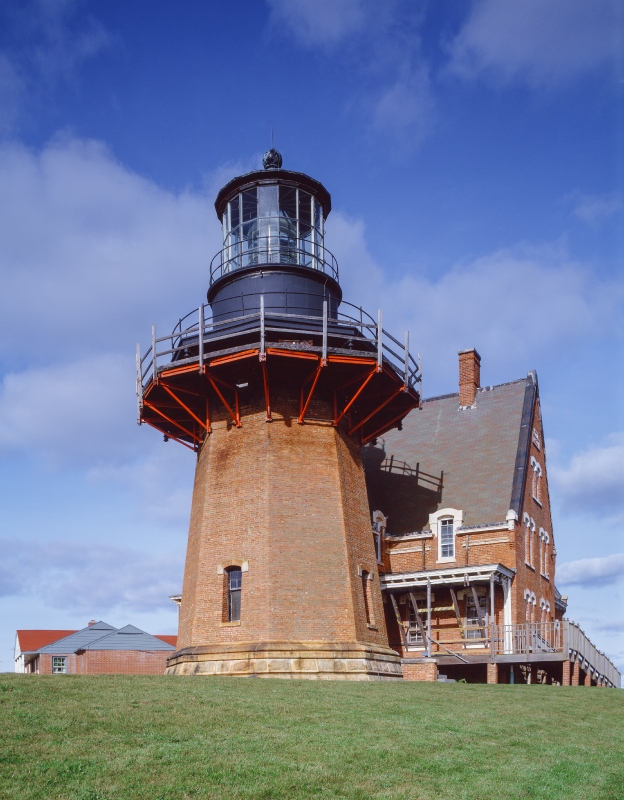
(531, 639)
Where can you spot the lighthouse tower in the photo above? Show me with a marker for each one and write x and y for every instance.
(276, 384)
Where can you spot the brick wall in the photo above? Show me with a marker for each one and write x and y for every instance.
(527, 577)
(290, 501)
(110, 662)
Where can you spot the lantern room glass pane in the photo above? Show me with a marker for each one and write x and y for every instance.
(268, 205)
(250, 204)
(288, 202)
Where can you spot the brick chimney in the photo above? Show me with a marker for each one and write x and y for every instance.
(91, 622)
(469, 376)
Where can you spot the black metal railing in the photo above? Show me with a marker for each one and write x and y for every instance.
(273, 250)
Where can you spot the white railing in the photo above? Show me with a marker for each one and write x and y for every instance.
(579, 648)
(358, 331)
(529, 639)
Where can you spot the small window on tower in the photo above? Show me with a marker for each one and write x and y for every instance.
(234, 585)
(368, 600)
(447, 539)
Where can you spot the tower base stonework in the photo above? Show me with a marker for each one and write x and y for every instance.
(347, 661)
(287, 504)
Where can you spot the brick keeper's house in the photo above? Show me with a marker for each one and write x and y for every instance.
(98, 649)
(465, 545)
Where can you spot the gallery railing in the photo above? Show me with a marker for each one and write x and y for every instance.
(354, 329)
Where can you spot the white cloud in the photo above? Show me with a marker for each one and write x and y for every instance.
(321, 22)
(71, 412)
(590, 208)
(594, 479)
(406, 109)
(591, 571)
(48, 42)
(92, 579)
(382, 44)
(513, 305)
(93, 253)
(544, 42)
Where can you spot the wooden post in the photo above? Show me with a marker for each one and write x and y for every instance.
(492, 616)
(457, 614)
(475, 597)
(399, 620)
(419, 622)
(428, 603)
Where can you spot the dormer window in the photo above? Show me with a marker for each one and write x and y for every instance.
(444, 525)
(447, 538)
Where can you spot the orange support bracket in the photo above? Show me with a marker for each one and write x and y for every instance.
(379, 407)
(355, 396)
(173, 422)
(267, 396)
(169, 435)
(304, 408)
(183, 405)
(385, 427)
(235, 415)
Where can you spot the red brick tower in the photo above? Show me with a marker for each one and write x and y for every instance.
(276, 386)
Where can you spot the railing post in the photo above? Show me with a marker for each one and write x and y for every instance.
(201, 337)
(262, 346)
(154, 365)
(379, 342)
(420, 382)
(428, 595)
(324, 354)
(139, 383)
(406, 382)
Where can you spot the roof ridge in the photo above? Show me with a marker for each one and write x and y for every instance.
(480, 389)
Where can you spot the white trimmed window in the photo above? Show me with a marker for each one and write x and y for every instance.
(531, 601)
(59, 665)
(529, 531)
(447, 538)
(544, 542)
(444, 525)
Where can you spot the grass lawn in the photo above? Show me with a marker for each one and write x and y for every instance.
(101, 738)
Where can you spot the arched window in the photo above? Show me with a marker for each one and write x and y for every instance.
(447, 538)
(234, 577)
(379, 530)
(536, 482)
(366, 592)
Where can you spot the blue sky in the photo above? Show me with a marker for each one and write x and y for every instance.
(474, 153)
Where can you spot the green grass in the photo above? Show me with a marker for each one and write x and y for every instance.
(103, 738)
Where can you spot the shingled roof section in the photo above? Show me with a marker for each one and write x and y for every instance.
(474, 450)
(129, 638)
(80, 639)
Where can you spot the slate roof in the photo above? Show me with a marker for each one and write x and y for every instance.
(81, 639)
(32, 641)
(102, 636)
(477, 452)
(129, 638)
